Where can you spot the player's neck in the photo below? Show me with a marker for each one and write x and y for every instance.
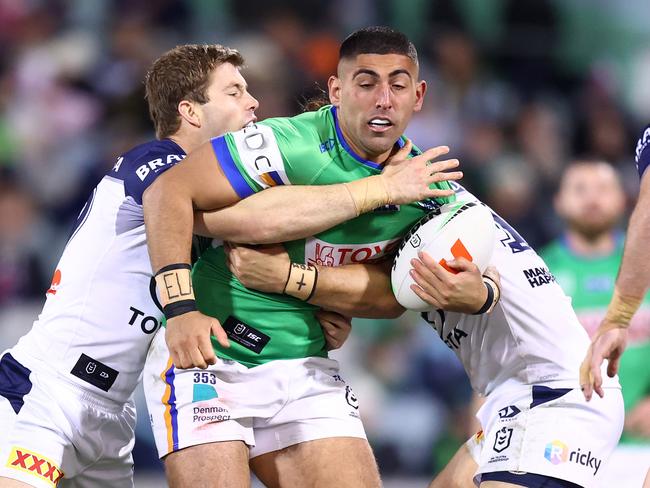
(188, 139)
(599, 245)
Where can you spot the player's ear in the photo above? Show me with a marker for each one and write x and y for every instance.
(334, 89)
(420, 90)
(188, 112)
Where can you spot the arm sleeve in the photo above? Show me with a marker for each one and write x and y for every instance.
(140, 173)
(264, 155)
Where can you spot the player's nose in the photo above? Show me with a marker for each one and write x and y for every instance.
(383, 98)
(253, 103)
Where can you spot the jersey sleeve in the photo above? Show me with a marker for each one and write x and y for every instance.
(643, 151)
(140, 170)
(275, 152)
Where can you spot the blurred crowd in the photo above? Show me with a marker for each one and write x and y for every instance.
(516, 88)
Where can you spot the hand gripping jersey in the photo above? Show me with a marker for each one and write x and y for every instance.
(531, 337)
(101, 311)
(308, 149)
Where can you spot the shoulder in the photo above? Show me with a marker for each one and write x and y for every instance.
(149, 156)
(140, 166)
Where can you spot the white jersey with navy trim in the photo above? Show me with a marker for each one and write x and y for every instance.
(101, 311)
(531, 337)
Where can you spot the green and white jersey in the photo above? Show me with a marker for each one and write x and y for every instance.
(589, 281)
(308, 149)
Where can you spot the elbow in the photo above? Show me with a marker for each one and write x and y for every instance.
(384, 309)
(393, 310)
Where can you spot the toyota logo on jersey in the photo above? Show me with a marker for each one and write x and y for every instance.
(325, 253)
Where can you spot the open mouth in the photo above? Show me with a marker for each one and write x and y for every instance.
(250, 122)
(380, 124)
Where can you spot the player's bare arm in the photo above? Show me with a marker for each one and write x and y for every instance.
(199, 183)
(634, 276)
(360, 290)
(355, 290)
(285, 213)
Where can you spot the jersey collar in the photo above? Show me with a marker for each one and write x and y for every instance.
(348, 149)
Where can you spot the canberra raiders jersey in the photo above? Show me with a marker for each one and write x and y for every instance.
(308, 149)
(101, 310)
(531, 337)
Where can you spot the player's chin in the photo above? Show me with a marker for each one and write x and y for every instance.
(382, 142)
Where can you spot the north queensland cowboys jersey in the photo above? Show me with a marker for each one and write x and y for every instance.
(101, 310)
(532, 336)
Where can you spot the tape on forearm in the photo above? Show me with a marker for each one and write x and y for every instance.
(622, 308)
(301, 282)
(493, 296)
(174, 284)
(369, 193)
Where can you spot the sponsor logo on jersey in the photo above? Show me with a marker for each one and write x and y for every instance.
(557, 452)
(538, 276)
(327, 145)
(147, 323)
(212, 413)
(502, 439)
(94, 372)
(260, 155)
(245, 335)
(325, 253)
(56, 281)
(144, 170)
(509, 412)
(32, 463)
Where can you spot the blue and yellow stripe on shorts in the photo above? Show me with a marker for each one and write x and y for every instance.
(169, 401)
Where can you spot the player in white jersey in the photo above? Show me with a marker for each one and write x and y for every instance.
(66, 388)
(66, 408)
(524, 357)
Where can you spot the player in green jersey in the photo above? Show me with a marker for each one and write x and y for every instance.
(292, 406)
(585, 261)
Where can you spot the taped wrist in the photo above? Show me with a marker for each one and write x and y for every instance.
(174, 284)
(622, 308)
(301, 281)
(369, 193)
(493, 296)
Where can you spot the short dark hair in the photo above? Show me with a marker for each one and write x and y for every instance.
(377, 40)
(182, 74)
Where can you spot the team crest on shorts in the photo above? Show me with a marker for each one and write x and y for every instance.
(351, 398)
(29, 462)
(502, 439)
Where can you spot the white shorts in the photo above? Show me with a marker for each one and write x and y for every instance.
(548, 431)
(55, 433)
(269, 407)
